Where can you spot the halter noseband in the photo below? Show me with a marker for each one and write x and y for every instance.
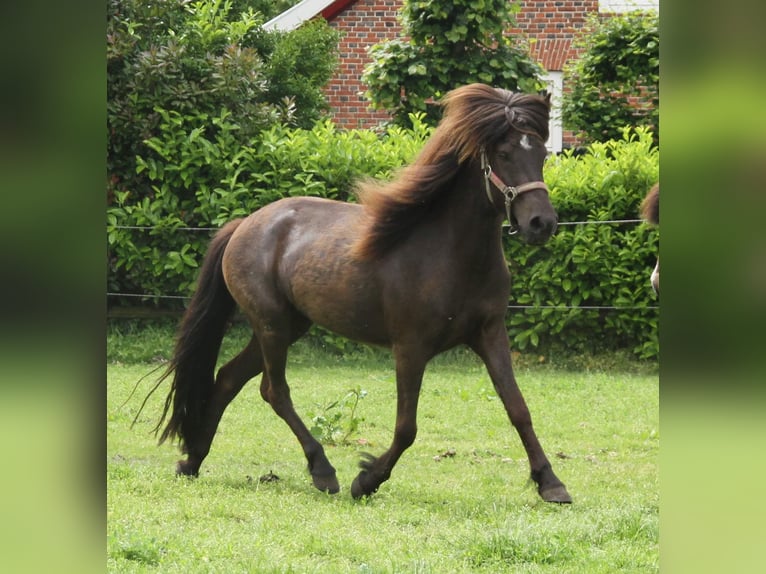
(509, 192)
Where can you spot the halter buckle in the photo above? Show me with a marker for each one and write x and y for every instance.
(510, 192)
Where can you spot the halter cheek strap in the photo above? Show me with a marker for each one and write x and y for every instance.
(510, 192)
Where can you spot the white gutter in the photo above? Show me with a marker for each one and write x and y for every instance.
(293, 17)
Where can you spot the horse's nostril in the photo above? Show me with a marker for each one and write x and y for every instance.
(538, 223)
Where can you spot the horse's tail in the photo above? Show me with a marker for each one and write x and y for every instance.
(198, 342)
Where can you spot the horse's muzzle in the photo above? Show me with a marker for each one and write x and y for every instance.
(539, 229)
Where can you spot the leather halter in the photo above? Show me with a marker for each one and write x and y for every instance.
(510, 192)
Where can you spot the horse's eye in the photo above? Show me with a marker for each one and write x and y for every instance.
(503, 155)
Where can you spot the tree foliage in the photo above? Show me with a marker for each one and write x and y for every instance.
(615, 83)
(203, 59)
(445, 44)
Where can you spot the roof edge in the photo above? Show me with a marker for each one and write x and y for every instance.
(293, 17)
(335, 8)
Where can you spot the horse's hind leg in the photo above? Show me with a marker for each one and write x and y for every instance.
(276, 392)
(229, 381)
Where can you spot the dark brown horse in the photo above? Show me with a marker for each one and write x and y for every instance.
(650, 211)
(417, 266)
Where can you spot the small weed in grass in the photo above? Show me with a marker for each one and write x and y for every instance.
(337, 421)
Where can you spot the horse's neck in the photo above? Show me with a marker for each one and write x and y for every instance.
(471, 226)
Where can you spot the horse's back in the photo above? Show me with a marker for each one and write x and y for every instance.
(276, 237)
(297, 255)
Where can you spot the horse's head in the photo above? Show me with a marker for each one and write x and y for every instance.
(505, 132)
(513, 172)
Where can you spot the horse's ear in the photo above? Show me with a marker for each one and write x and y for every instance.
(547, 96)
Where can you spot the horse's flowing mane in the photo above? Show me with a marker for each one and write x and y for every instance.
(650, 206)
(475, 116)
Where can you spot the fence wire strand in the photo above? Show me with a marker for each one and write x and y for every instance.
(171, 228)
(554, 307)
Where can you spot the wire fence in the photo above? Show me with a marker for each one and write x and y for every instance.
(560, 224)
(510, 306)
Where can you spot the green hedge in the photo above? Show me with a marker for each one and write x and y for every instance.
(592, 265)
(204, 177)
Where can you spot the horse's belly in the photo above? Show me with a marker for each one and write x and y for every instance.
(355, 327)
(341, 302)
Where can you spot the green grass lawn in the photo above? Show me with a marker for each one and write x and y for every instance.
(459, 500)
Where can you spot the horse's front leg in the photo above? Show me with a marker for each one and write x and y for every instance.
(410, 365)
(492, 346)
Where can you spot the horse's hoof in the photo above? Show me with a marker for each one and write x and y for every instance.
(358, 491)
(183, 468)
(557, 494)
(327, 483)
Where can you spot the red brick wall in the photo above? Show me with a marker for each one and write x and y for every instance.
(551, 24)
(364, 23)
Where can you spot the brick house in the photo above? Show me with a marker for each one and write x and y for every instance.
(549, 26)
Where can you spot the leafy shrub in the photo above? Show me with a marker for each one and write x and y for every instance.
(592, 265)
(298, 65)
(615, 83)
(204, 59)
(192, 58)
(443, 44)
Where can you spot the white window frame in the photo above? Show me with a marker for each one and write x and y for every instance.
(623, 6)
(554, 82)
